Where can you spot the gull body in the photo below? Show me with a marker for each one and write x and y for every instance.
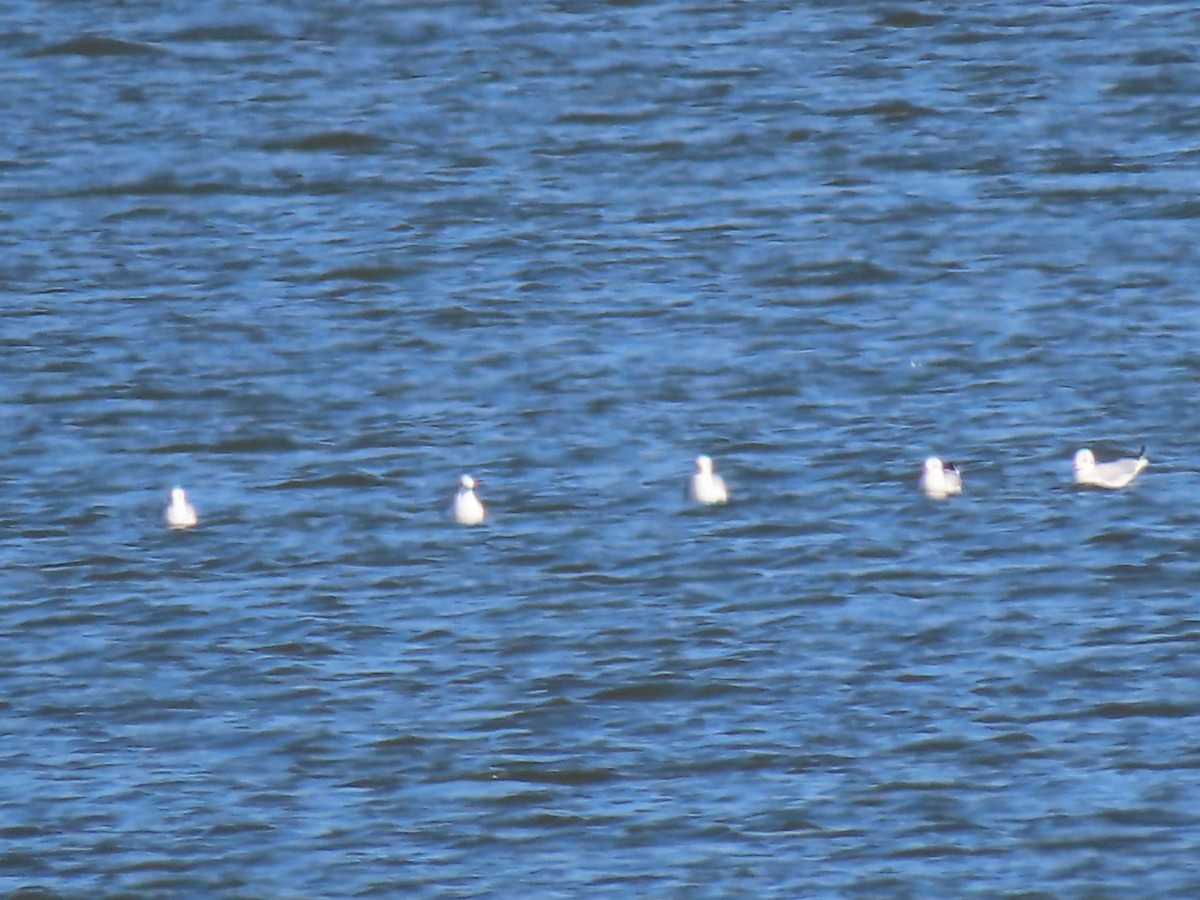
(707, 486)
(940, 479)
(468, 509)
(180, 513)
(1115, 474)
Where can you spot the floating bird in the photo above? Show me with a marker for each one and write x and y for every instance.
(707, 486)
(468, 510)
(940, 479)
(1115, 474)
(180, 513)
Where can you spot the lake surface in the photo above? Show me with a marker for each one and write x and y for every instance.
(315, 261)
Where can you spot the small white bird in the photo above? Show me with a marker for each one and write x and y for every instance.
(180, 513)
(707, 486)
(1115, 474)
(468, 510)
(940, 479)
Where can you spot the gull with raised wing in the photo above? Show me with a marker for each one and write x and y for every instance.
(468, 509)
(1115, 474)
(940, 479)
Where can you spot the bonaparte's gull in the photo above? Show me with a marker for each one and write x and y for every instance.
(940, 479)
(180, 513)
(468, 510)
(1115, 474)
(707, 486)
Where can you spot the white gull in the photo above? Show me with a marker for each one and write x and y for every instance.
(707, 486)
(940, 479)
(180, 513)
(468, 510)
(1115, 474)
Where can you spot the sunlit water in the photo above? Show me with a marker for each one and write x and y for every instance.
(312, 264)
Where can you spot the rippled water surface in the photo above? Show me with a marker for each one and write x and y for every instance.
(314, 261)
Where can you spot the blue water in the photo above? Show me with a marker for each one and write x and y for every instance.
(315, 261)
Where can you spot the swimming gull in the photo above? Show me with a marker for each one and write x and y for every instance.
(1115, 474)
(468, 510)
(940, 479)
(707, 486)
(180, 513)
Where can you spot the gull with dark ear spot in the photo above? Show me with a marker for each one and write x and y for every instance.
(940, 479)
(468, 509)
(707, 487)
(1115, 474)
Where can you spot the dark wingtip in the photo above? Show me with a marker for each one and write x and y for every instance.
(1142, 452)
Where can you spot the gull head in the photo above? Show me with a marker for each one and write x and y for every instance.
(704, 464)
(467, 483)
(1084, 460)
(934, 466)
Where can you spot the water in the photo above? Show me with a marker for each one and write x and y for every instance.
(315, 261)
